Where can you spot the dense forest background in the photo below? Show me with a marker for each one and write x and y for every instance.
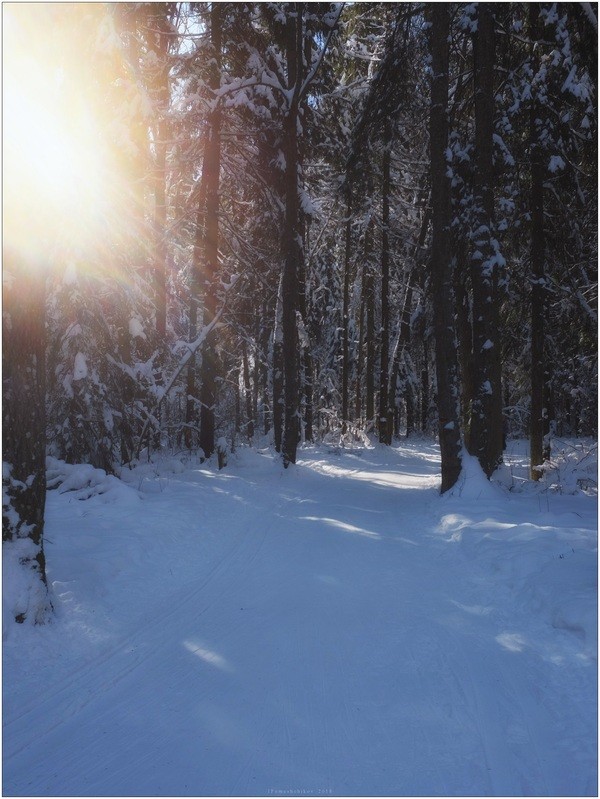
(298, 221)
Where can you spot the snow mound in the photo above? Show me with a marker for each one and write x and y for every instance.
(22, 588)
(85, 481)
(472, 482)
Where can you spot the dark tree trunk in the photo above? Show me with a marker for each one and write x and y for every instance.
(264, 371)
(410, 410)
(160, 35)
(308, 395)
(385, 428)
(404, 334)
(192, 393)
(464, 331)
(445, 350)
(238, 405)
(361, 350)
(402, 342)
(292, 239)
(256, 372)
(278, 399)
(24, 429)
(369, 335)
(247, 392)
(307, 361)
(212, 165)
(486, 417)
(289, 293)
(539, 423)
(425, 389)
(346, 311)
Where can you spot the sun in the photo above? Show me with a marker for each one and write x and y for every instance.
(52, 163)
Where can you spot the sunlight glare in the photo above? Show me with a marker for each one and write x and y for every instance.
(52, 171)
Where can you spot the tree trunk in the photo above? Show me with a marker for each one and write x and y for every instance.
(425, 389)
(361, 350)
(212, 164)
(292, 240)
(486, 418)
(539, 426)
(307, 361)
(247, 392)
(385, 428)
(404, 330)
(464, 331)
(402, 342)
(263, 369)
(346, 310)
(192, 394)
(445, 350)
(278, 380)
(158, 23)
(369, 335)
(24, 432)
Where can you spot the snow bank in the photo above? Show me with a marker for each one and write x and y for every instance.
(86, 482)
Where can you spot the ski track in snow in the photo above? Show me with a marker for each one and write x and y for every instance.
(335, 629)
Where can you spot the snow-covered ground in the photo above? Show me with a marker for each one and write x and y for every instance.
(333, 629)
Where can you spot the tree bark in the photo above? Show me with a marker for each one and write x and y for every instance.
(160, 35)
(24, 429)
(385, 428)
(212, 164)
(247, 392)
(369, 334)
(346, 310)
(445, 350)
(402, 342)
(307, 361)
(278, 378)
(486, 417)
(539, 422)
(292, 240)
(361, 348)
(464, 329)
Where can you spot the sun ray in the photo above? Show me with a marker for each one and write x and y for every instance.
(53, 164)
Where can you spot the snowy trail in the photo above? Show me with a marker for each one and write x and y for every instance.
(325, 631)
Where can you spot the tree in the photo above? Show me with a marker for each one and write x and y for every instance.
(539, 413)
(486, 260)
(24, 429)
(312, 234)
(445, 350)
(210, 250)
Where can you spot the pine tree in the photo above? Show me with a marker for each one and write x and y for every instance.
(445, 351)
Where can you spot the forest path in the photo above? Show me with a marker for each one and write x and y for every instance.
(320, 631)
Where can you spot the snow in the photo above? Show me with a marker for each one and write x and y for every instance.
(80, 369)
(334, 628)
(556, 163)
(136, 328)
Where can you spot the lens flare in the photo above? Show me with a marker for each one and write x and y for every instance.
(52, 161)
